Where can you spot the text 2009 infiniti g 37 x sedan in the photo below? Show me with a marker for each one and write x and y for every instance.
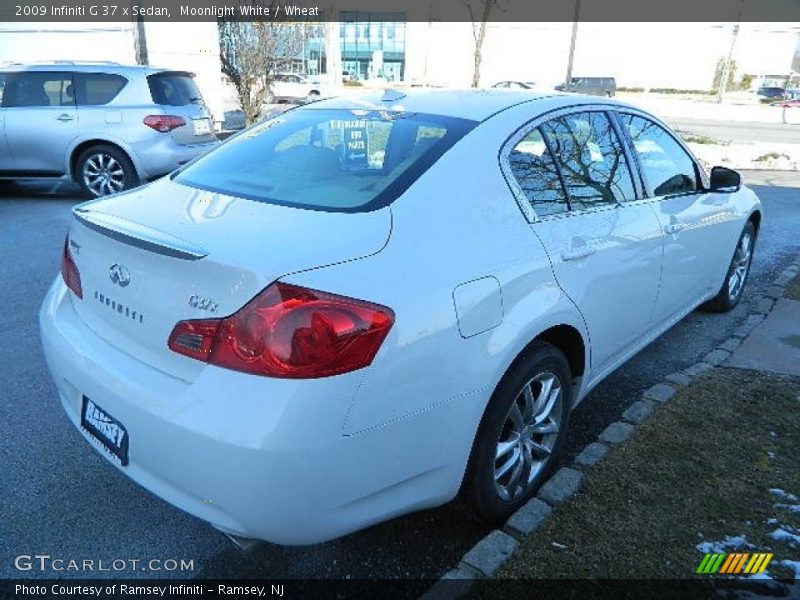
(367, 305)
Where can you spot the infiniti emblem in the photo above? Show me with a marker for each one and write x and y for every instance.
(119, 275)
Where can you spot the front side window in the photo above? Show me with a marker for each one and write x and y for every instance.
(327, 159)
(536, 175)
(96, 89)
(591, 159)
(38, 88)
(666, 166)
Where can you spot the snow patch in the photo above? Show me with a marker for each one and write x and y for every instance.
(783, 495)
(795, 508)
(783, 535)
(729, 543)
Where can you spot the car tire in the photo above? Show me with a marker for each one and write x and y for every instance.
(732, 288)
(507, 447)
(103, 170)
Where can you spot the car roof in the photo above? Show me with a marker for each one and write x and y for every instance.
(85, 66)
(472, 104)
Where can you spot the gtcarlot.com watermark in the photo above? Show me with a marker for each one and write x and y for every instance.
(44, 563)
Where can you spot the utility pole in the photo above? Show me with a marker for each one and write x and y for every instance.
(726, 68)
(568, 82)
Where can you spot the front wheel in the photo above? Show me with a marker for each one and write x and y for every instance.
(520, 435)
(732, 288)
(103, 170)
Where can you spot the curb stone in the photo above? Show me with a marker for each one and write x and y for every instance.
(591, 454)
(698, 369)
(560, 487)
(528, 518)
(716, 357)
(638, 411)
(492, 551)
(681, 379)
(616, 433)
(660, 392)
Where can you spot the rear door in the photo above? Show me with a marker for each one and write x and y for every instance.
(604, 244)
(695, 225)
(176, 93)
(40, 121)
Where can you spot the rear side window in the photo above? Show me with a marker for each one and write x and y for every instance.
(38, 88)
(95, 89)
(333, 160)
(666, 166)
(3, 77)
(174, 89)
(591, 159)
(536, 175)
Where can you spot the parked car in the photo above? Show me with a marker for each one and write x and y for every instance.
(767, 94)
(105, 125)
(292, 358)
(515, 85)
(593, 86)
(294, 87)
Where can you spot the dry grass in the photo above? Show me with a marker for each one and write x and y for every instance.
(699, 470)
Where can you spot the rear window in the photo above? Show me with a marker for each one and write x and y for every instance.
(95, 89)
(333, 160)
(174, 89)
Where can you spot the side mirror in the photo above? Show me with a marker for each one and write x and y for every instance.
(724, 179)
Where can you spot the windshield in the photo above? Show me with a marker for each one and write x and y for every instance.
(323, 159)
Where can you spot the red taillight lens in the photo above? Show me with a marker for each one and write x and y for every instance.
(163, 123)
(69, 271)
(290, 332)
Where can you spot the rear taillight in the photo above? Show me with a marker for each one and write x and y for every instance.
(69, 271)
(164, 123)
(290, 332)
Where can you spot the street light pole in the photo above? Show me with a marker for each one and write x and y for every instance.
(568, 82)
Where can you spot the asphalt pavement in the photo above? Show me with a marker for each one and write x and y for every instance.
(58, 497)
(738, 131)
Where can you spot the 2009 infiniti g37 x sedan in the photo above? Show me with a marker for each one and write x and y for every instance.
(365, 306)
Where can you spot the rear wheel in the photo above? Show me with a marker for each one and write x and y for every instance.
(102, 170)
(520, 435)
(732, 288)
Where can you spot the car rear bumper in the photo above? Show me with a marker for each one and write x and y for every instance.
(255, 457)
(161, 155)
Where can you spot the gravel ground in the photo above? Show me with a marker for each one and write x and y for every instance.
(95, 512)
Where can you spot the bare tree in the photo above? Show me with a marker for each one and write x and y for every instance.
(252, 52)
(482, 9)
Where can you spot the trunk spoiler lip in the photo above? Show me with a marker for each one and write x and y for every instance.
(137, 235)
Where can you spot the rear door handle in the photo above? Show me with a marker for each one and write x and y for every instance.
(65, 117)
(672, 228)
(576, 253)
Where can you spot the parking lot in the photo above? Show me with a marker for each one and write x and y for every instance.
(59, 497)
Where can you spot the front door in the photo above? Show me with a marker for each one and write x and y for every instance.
(695, 224)
(41, 121)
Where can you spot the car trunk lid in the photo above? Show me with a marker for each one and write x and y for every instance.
(155, 256)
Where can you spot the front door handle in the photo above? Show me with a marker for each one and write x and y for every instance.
(576, 253)
(65, 118)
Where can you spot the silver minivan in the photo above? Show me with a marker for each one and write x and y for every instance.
(107, 126)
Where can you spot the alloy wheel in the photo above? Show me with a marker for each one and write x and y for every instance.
(103, 174)
(529, 435)
(740, 266)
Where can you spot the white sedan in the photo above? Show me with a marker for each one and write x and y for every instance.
(368, 305)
